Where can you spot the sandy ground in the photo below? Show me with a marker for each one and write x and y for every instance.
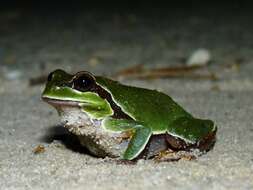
(35, 46)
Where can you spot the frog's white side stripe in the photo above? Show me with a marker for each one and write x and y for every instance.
(184, 139)
(159, 132)
(187, 140)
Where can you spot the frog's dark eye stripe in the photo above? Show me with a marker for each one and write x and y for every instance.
(83, 82)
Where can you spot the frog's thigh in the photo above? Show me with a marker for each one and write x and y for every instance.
(138, 142)
(119, 125)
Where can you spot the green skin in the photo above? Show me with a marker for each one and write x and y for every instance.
(152, 112)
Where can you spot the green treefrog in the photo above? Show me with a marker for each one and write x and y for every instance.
(116, 120)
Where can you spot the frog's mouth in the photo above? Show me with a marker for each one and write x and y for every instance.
(57, 102)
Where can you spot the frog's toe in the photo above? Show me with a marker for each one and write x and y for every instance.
(124, 136)
(126, 162)
(119, 161)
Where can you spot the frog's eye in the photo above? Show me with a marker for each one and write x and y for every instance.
(83, 82)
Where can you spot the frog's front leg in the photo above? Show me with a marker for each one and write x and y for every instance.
(139, 140)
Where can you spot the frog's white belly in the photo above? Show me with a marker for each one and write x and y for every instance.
(98, 141)
(90, 133)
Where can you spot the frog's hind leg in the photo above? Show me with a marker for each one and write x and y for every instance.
(175, 143)
(139, 140)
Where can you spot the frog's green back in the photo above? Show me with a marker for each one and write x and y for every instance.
(155, 109)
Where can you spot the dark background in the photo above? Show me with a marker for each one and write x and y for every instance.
(72, 34)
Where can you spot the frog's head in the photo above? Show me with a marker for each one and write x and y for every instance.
(80, 91)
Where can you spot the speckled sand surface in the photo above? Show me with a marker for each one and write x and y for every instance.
(114, 42)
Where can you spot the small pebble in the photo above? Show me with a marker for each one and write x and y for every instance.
(39, 149)
(94, 61)
(199, 57)
(169, 177)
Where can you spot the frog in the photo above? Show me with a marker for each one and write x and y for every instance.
(115, 120)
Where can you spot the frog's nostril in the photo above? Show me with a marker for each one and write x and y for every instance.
(50, 77)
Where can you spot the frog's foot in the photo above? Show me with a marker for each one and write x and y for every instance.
(170, 155)
(125, 162)
(120, 161)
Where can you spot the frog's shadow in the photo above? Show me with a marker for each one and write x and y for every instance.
(59, 133)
